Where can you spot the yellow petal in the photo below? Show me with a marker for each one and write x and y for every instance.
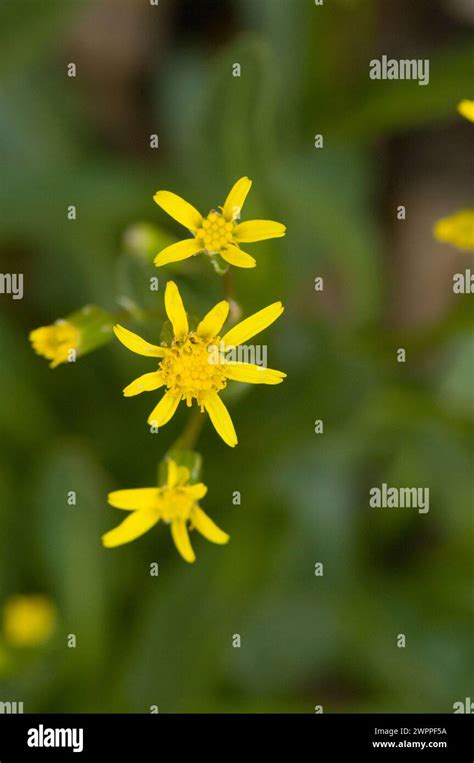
(208, 528)
(235, 200)
(136, 344)
(61, 357)
(181, 539)
(136, 498)
(212, 323)
(145, 383)
(258, 230)
(164, 411)
(253, 374)
(175, 310)
(180, 251)
(457, 230)
(197, 491)
(235, 256)
(131, 528)
(179, 209)
(253, 325)
(172, 477)
(220, 417)
(466, 109)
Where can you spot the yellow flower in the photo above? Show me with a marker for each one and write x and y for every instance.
(55, 342)
(195, 365)
(175, 503)
(458, 229)
(29, 620)
(81, 332)
(466, 109)
(219, 232)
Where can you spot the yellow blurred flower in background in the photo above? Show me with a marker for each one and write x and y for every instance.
(56, 342)
(458, 229)
(29, 620)
(195, 366)
(176, 503)
(219, 232)
(466, 109)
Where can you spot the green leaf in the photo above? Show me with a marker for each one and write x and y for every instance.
(390, 106)
(69, 536)
(455, 388)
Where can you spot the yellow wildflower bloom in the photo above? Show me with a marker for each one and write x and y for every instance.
(195, 366)
(219, 232)
(466, 109)
(175, 503)
(56, 341)
(77, 334)
(29, 620)
(458, 229)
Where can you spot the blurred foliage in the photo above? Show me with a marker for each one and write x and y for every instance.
(167, 640)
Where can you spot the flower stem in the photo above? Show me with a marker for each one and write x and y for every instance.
(190, 434)
(228, 280)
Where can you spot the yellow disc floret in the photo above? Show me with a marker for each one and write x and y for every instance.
(189, 369)
(175, 503)
(216, 233)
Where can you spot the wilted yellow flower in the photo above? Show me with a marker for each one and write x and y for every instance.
(219, 232)
(176, 503)
(29, 620)
(55, 342)
(68, 338)
(194, 366)
(466, 109)
(458, 229)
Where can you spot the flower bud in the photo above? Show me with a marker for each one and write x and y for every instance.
(67, 338)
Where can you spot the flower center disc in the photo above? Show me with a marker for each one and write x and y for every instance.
(216, 233)
(175, 504)
(191, 368)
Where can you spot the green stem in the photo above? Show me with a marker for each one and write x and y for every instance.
(190, 434)
(228, 280)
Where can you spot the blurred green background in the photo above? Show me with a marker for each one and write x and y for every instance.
(306, 640)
